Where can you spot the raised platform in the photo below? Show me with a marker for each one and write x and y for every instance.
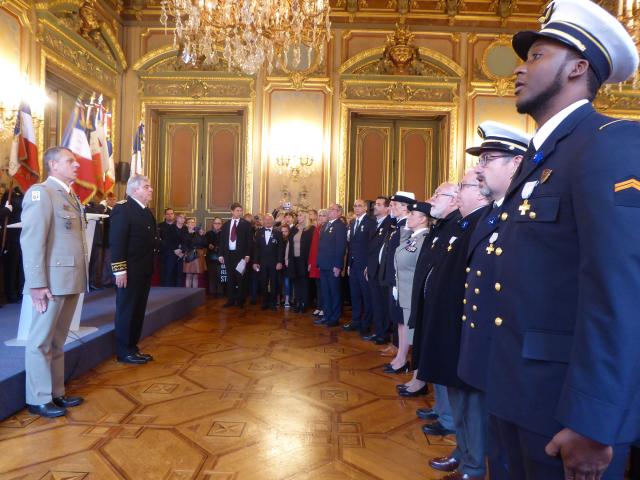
(165, 305)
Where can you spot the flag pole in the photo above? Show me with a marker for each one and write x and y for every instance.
(6, 219)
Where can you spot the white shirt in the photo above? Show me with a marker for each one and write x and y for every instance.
(232, 244)
(267, 235)
(418, 232)
(550, 125)
(498, 203)
(66, 187)
(139, 202)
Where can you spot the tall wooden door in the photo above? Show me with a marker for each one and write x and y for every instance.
(391, 154)
(201, 165)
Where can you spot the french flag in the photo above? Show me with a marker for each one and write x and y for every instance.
(23, 159)
(75, 139)
(136, 157)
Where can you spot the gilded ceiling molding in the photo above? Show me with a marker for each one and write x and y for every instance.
(19, 9)
(376, 53)
(112, 42)
(154, 56)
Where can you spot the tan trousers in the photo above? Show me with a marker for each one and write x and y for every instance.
(44, 352)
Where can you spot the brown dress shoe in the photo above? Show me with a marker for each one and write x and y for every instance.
(444, 464)
(390, 351)
(461, 476)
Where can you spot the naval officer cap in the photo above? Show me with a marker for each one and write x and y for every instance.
(423, 207)
(501, 137)
(590, 30)
(403, 197)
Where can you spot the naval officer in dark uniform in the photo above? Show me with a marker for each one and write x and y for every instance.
(133, 240)
(564, 382)
(499, 155)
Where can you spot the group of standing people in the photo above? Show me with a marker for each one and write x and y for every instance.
(56, 265)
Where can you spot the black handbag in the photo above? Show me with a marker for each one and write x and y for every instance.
(191, 255)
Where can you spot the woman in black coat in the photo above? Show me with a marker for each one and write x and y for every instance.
(298, 261)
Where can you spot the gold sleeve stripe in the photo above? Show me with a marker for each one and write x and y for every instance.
(119, 266)
(632, 183)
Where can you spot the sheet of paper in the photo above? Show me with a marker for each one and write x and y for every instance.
(240, 268)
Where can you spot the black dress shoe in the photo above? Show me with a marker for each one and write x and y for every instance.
(444, 464)
(388, 368)
(332, 324)
(134, 359)
(66, 402)
(381, 340)
(370, 337)
(146, 356)
(49, 410)
(400, 387)
(426, 414)
(417, 393)
(350, 327)
(319, 321)
(437, 429)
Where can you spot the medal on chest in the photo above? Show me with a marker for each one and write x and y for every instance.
(451, 242)
(490, 249)
(527, 190)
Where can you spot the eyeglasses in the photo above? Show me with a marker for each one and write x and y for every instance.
(462, 185)
(483, 160)
(437, 194)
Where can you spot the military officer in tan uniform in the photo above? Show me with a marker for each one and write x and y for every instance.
(54, 253)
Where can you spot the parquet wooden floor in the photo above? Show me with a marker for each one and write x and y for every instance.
(232, 395)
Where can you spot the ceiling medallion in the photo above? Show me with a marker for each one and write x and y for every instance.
(249, 34)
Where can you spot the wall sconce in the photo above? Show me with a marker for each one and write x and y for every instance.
(14, 89)
(295, 166)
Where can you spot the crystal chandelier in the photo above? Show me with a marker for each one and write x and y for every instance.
(249, 33)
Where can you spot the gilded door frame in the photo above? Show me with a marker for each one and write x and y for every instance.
(362, 90)
(163, 90)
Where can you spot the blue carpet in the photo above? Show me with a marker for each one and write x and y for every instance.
(165, 305)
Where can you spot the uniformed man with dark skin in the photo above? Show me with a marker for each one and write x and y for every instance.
(564, 383)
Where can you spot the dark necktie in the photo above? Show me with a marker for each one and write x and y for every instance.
(356, 229)
(234, 231)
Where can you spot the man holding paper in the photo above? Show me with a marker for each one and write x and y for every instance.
(235, 248)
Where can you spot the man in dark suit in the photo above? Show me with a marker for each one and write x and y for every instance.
(133, 242)
(268, 257)
(235, 247)
(170, 252)
(499, 155)
(331, 250)
(360, 231)
(564, 383)
(383, 220)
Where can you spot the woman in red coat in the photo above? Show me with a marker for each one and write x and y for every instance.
(314, 271)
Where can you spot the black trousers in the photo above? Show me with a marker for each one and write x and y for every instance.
(301, 290)
(269, 285)
(236, 283)
(13, 272)
(131, 304)
(361, 314)
(380, 311)
(215, 287)
(527, 460)
(169, 270)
